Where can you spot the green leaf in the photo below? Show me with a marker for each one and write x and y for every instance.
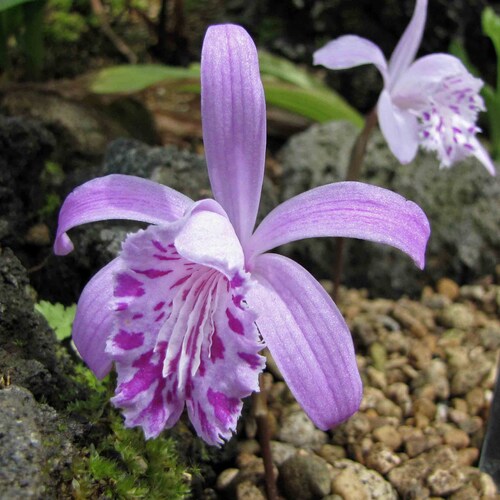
(316, 104)
(285, 85)
(136, 77)
(286, 71)
(59, 318)
(491, 27)
(8, 4)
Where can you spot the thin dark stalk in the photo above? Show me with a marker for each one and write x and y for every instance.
(353, 173)
(260, 412)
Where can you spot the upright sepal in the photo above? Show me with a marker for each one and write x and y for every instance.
(234, 123)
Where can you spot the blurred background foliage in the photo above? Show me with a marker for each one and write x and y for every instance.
(55, 39)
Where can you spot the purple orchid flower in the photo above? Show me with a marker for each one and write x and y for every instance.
(189, 303)
(432, 102)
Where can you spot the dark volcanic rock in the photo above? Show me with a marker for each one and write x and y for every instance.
(24, 147)
(27, 344)
(461, 204)
(35, 446)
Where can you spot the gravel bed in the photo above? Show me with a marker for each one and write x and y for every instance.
(429, 368)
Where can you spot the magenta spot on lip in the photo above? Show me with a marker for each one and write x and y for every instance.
(158, 306)
(237, 300)
(159, 246)
(153, 273)
(127, 341)
(189, 388)
(174, 363)
(154, 413)
(121, 306)
(205, 424)
(427, 116)
(252, 359)
(126, 286)
(161, 347)
(217, 349)
(143, 360)
(468, 146)
(146, 374)
(138, 316)
(237, 280)
(201, 369)
(160, 316)
(180, 282)
(225, 408)
(234, 323)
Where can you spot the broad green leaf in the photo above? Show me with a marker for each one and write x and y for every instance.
(59, 318)
(316, 104)
(306, 96)
(129, 78)
(8, 4)
(286, 71)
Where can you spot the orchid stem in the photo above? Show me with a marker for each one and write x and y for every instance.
(353, 173)
(260, 411)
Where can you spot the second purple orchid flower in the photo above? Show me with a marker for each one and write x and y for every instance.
(185, 309)
(432, 102)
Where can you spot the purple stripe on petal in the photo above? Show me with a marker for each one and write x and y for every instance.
(164, 258)
(234, 323)
(180, 281)
(153, 273)
(217, 348)
(159, 246)
(252, 359)
(127, 286)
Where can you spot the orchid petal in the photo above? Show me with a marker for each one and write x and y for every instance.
(229, 367)
(350, 50)
(234, 123)
(117, 197)
(425, 75)
(93, 322)
(183, 335)
(408, 44)
(308, 339)
(349, 210)
(399, 127)
(208, 238)
(482, 155)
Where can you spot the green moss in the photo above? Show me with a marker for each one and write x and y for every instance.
(120, 463)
